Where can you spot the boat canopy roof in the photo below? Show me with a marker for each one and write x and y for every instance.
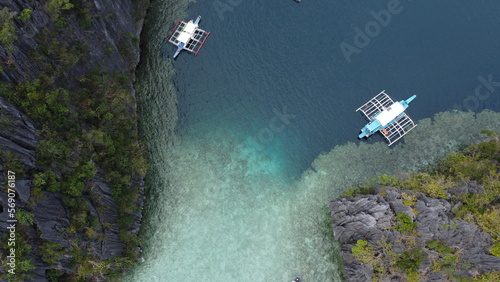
(184, 37)
(390, 113)
(190, 27)
(187, 36)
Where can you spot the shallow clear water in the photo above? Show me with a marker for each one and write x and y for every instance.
(240, 143)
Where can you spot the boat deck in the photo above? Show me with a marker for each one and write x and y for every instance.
(376, 105)
(398, 129)
(401, 125)
(195, 43)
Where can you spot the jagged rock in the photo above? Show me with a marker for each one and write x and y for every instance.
(437, 276)
(111, 246)
(23, 189)
(19, 136)
(52, 219)
(356, 271)
(369, 217)
(360, 218)
(471, 187)
(395, 201)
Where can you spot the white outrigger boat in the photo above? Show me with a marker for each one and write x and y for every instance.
(387, 117)
(187, 36)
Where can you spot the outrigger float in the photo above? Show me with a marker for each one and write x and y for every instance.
(386, 116)
(187, 36)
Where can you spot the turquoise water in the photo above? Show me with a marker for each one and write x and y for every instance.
(241, 142)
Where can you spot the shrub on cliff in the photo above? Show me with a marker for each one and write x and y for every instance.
(363, 251)
(488, 277)
(495, 250)
(8, 32)
(404, 223)
(54, 7)
(410, 261)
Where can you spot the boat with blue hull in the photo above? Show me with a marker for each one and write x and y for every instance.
(387, 117)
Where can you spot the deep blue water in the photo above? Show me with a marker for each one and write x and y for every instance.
(265, 55)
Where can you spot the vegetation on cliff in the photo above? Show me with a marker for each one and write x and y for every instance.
(87, 126)
(470, 181)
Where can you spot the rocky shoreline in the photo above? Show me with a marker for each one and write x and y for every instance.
(374, 219)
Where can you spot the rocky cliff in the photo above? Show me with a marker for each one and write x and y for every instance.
(397, 235)
(106, 30)
(59, 42)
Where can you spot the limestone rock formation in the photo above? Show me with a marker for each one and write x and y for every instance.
(106, 35)
(373, 218)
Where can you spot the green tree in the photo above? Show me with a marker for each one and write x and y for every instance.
(54, 7)
(8, 33)
(387, 180)
(25, 15)
(51, 252)
(410, 261)
(47, 180)
(12, 162)
(434, 184)
(364, 252)
(52, 151)
(404, 223)
(465, 167)
(24, 217)
(495, 250)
